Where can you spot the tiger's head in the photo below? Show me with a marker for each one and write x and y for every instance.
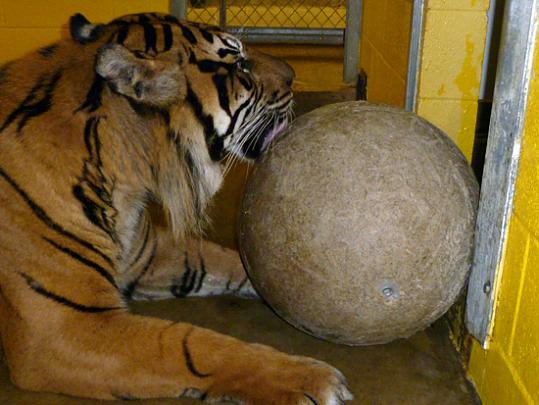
(205, 80)
(140, 110)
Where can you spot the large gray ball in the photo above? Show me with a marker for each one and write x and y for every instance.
(357, 227)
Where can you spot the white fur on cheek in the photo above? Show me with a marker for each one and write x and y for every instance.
(221, 122)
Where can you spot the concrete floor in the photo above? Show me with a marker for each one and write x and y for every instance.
(420, 370)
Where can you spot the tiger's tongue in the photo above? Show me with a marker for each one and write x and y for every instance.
(275, 132)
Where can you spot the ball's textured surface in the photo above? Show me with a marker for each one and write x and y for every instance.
(357, 227)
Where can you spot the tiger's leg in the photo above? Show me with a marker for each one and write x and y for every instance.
(194, 267)
(59, 337)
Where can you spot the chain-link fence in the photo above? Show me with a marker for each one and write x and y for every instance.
(313, 21)
(333, 22)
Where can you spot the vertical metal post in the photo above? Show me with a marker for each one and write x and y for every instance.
(222, 14)
(515, 65)
(414, 56)
(485, 79)
(354, 9)
(178, 8)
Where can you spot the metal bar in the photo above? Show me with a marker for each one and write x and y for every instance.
(178, 8)
(491, 15)
(501, 162)
(414, 56)
(354, 9)
(222, 14)
(290, 35)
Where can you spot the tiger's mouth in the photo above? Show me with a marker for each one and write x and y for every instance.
(265, 137)
(274, 133)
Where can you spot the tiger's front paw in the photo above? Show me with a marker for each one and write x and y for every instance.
(274, 378)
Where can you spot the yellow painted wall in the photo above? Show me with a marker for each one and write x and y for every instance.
(508, 372)
(28, 24)
(318, 68)
(451, 67)
(385, 40)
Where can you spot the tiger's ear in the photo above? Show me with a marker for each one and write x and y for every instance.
(82, 30)
(156, 82)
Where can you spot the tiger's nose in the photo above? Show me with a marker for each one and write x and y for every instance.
(270, 66)
(288, 74)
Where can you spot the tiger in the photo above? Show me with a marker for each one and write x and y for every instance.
(112, 142)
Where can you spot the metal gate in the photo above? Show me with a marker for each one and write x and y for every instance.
(322, 22)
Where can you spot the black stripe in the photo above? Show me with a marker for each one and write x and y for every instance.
(188, 34)
(213, 141)
(31, 106)
(245, 82)
(222, 92)
(209, 66)
(43, 105)
(310, 398)
(48, 51)
(38, 288)
(281, 98)
(171, 19)
(143, 18)
(90, 131)
(253, 104)
(93, 182)
(167, 37)
(92, 211)
(128, 291)
(123, 31)
(236, 115)
(187, 283)
(202, 275)
(189, 360)
(216, 147)
(27, 100)
(222, 52)
(84, 260)
(143, 247)
(206, 35)
(42, 215)
(240, 285)
(150, 37)
(93, 97)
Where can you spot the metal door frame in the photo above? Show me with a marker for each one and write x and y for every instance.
(515, 65)
(414, 56)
